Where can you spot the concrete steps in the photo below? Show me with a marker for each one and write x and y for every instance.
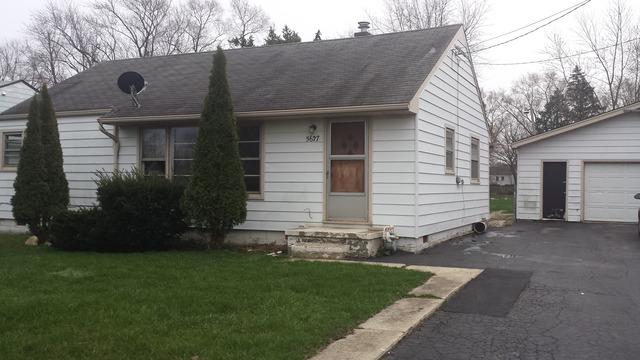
(333, 242)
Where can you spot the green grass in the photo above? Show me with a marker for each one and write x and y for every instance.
(502, 203)
(177, 305)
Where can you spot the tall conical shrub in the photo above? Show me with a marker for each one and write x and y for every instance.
(58, 198)
(215, 199)
(31, 189)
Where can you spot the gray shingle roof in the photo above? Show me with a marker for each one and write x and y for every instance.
(370, 70)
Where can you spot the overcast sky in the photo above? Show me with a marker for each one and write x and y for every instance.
(339, 17)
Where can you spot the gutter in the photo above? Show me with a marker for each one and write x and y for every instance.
(403, 107)
(59, 114)
(116, 142)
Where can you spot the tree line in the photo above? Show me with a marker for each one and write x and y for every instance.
(63, 39)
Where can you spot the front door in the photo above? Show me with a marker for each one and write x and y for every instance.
(347, 171)
(554, 190)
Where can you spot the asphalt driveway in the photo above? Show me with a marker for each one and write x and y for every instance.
(582, 300)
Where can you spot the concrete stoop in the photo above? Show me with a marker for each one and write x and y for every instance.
(375, 337)
(333, 242)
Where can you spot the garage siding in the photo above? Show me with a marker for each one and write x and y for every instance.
(612, 140)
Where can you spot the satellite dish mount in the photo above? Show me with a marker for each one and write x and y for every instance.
(133, 84)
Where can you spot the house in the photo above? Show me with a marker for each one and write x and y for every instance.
(14, 92)
(340, 137)
(586, 171)
(500, 175)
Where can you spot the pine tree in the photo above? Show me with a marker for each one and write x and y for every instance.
(242, 41)
(273, 38)
(215, 199)
(581, 98)
(555, 113)
(58, 198)
(31, 190)
(290, 36)
(318, 36)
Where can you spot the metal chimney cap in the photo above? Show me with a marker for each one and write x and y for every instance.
(364, 29)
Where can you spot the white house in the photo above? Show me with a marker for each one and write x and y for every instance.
(500, 175)
(14, 92)
(355, 133)
(587, 171)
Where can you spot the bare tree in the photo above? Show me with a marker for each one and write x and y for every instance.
(45, 54)
(141, 24)
(472, 14)
(205, 25)
(247, 20)
(606, 40)
(403, 15)
(12, 60)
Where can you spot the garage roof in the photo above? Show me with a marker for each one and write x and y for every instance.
(580, 124)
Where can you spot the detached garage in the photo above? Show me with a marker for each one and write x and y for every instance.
(587, 171)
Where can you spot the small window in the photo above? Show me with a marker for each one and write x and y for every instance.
(11, 144)
(154, 147)
(184, 141)
(449, 151)
(249, 143)
(475, 159)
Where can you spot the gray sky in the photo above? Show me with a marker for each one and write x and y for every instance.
(339, 17)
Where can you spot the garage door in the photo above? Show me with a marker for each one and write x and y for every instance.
(609, 190)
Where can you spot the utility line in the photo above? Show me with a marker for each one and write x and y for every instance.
(534, 29)
(559, 57)
(533, 23)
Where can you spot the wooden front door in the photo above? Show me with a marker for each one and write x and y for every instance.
(347, 170)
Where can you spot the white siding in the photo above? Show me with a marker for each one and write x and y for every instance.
(450, 99)
(85, 150)
(393, 200)
(293, 177)
(614, 139)
(14, 94)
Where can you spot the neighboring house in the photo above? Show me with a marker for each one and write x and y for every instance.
(587, 171)
(14, 92)
(500, 175)
(361, 132)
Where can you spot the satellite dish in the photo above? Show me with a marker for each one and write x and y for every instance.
(132, 83)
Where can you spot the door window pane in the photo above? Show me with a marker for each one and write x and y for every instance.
(347, 176)
(347, 138)
(11, 152)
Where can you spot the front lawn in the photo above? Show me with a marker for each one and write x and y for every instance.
(502, 203)
(181, 305)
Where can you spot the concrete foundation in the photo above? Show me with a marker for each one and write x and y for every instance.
(416, 245)
(334, 242)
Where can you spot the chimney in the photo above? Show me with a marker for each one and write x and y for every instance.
(364, 29)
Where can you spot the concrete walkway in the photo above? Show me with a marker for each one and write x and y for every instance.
(376, 336)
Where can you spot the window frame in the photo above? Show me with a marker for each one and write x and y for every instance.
(259, 195)
(169, 153)
(167, 146)
(475, 180)
(450, 170)
(4, 133)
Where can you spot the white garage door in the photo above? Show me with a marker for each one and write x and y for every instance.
(609, 190)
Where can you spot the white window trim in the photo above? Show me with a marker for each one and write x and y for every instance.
(474, 180)
(3, 167)
(260, 194)
(452, 170)
(168, 157)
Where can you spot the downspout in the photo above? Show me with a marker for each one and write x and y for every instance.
(116, 142)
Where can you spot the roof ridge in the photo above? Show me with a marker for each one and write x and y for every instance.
(285, 44)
